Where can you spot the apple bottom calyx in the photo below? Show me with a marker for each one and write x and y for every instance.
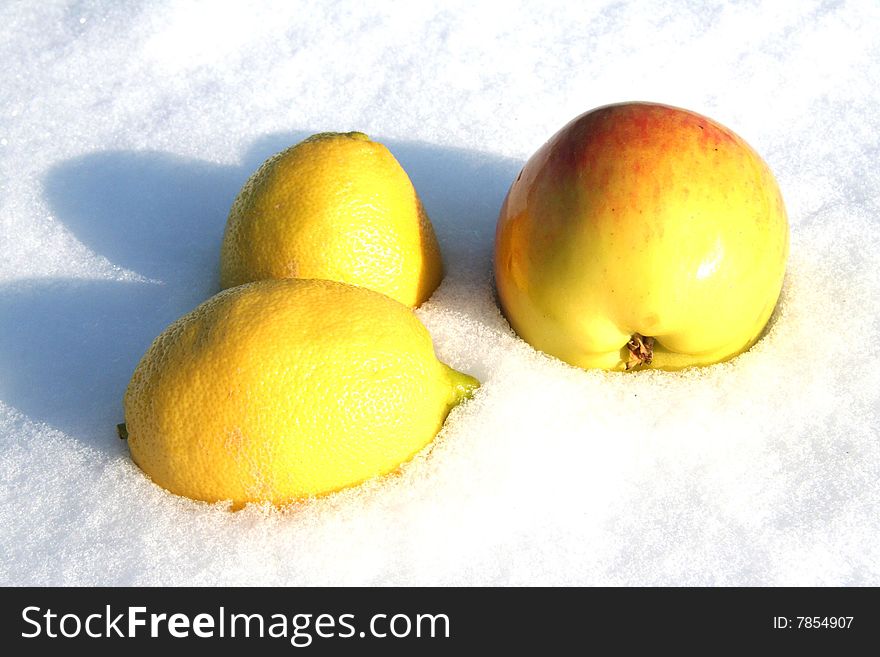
(641, 351)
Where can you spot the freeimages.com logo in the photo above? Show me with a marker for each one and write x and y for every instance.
(300, 629)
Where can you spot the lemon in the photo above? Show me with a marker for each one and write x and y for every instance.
(284, 389)
(336, 206)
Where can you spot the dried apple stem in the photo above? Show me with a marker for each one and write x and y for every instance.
(122, 430)
(641, 351)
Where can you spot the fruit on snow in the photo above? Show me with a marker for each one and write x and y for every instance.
(641, 235)
(282, 389)
(336, 206)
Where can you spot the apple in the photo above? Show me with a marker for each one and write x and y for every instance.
(641, 236)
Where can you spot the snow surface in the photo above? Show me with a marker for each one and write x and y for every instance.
(126, 131)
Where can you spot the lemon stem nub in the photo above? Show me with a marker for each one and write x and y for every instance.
(463, 386)
(122, 430)
(641, 351)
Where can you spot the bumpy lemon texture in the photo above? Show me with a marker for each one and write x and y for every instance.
(283, 389)
(642, 235)
(335, 206)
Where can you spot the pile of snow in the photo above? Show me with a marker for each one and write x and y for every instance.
(125, 136)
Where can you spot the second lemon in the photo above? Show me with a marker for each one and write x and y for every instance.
(336, 206)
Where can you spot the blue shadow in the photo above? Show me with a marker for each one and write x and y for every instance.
(68, 346)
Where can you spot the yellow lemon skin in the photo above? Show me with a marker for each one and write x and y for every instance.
(279, 390)
(336, 206)
(640, 218)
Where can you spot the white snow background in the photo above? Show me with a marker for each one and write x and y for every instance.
(126, 129)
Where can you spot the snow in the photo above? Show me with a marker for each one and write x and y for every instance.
(125, 134)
